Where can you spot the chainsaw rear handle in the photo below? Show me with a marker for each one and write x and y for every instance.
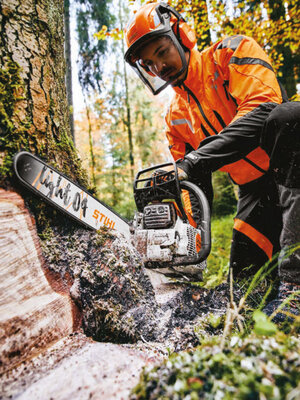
(204, 224)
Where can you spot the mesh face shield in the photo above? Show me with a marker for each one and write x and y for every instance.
(163, 28)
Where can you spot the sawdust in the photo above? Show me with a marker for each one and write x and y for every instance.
(120, 300)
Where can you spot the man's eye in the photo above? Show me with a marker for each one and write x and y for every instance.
(163, 52)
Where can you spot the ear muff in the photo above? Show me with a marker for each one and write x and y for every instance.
(185, 34)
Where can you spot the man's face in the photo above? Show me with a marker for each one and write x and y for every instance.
(162, 58)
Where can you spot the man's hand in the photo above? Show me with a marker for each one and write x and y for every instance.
(182, 175)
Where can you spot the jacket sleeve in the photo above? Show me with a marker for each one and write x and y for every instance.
(176, 146)
(252, 84)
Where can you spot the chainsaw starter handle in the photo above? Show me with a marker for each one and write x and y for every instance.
(204, 225)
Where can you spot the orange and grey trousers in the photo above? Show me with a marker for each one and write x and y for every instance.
(268, 212)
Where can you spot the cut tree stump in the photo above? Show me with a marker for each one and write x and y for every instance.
(35, 309)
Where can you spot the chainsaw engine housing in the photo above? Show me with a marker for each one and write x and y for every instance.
(161, 236)
(161, 231)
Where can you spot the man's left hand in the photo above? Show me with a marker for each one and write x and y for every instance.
(182, 175)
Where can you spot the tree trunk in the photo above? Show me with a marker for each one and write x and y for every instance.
(127, 104)
(287, 69)
(34, 117)
(34, 111)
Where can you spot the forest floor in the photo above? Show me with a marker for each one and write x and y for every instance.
(78, 367)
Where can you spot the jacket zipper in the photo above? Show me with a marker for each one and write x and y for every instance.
(190, 93)
(225, 83)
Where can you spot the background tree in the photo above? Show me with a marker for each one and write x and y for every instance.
(68, 57)
(91, 15)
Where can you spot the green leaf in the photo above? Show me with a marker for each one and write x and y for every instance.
(263, 326)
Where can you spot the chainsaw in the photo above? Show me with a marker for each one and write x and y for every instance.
(162, 231)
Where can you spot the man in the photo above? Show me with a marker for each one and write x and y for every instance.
(238, 120)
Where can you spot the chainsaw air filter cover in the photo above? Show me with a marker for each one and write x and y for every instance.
(159, 216)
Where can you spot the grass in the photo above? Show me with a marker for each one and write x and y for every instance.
(218, 260)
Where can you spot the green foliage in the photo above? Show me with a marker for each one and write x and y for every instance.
(246, 369)
(263, 326)
(272, 23)
(224, 199)
(196, 12)
(218, 260)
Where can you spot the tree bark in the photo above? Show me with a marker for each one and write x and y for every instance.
(34, 112)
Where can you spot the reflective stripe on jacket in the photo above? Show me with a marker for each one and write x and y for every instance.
(221, 106)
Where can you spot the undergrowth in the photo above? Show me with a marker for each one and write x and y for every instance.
(217, 262)
(249, 358)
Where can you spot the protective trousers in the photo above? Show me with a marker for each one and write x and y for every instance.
(269, 208)
(281, 139)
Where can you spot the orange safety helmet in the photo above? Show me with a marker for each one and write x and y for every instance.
(150, 22)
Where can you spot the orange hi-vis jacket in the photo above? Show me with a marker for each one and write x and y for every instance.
(219, 110)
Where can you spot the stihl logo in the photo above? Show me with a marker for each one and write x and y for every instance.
(102, 218)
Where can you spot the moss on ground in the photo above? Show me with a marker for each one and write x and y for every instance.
(251, 368)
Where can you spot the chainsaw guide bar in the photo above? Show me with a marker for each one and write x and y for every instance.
(66, 195)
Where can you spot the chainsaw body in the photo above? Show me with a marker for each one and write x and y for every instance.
(162, 231)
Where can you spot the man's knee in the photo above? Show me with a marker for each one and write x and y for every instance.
(285, 118)
(281, 140)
